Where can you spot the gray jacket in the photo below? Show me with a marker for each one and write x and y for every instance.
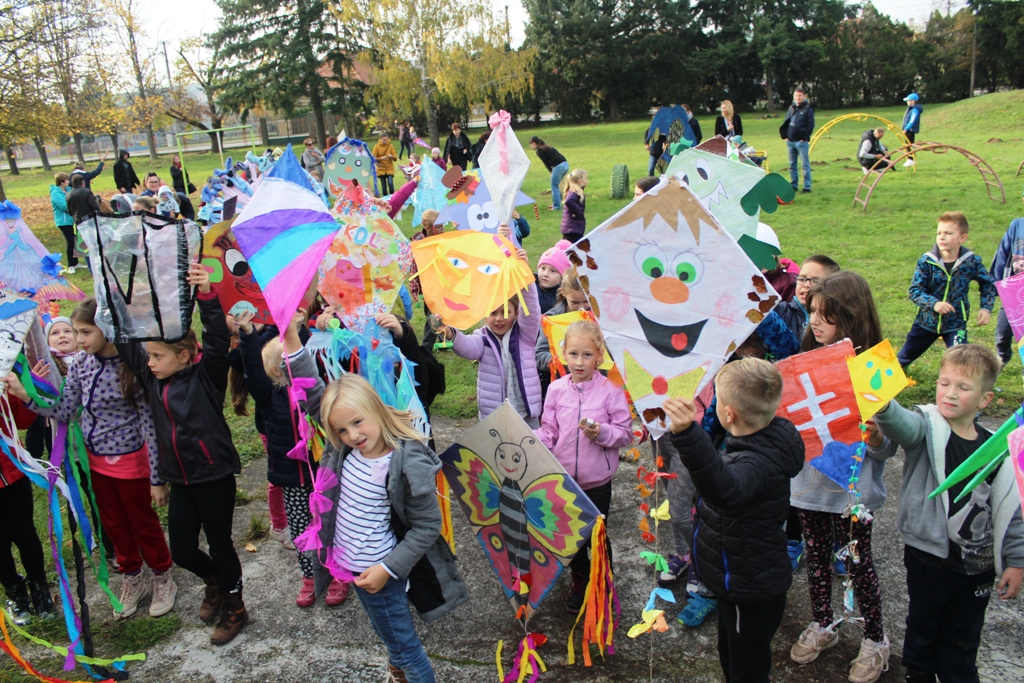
(543, 349)
(812, 490)
(923, 434)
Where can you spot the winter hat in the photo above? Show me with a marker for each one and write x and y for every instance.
(912, 97)
(555, 257)
(54, 321)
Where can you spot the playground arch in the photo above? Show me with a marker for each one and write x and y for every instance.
(870, 181)
(1019, 168)
(857, 116)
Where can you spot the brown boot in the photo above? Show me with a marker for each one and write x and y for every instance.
(396, 675)
(232, 619)
(209, 611)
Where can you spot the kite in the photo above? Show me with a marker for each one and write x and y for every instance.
(673, 292)
(429, 194)
(25, 264)
(1016, 443)
(465, 275)
(674, 124)
(503, 164)
(554, 328)
(230, 272)
(284, 232)
(877, 378)
(473, 209)
(16, 318)
(985, 460)
(366, 263)
(818, 398)
(1011, 294)
(140, 274)
(349, 160)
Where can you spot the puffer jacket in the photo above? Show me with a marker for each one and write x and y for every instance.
(742, 505)
(1009, 257)
(110, 426)
(932, 284)
(590, 463)
(483, 346)
(188, 407)
(59, 204)
(799, 123)
(912, 119)
(574, 219)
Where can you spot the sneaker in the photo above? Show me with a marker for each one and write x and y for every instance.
(165, 591)
(71, 270)
(677, 566)
(19, 604)
(865, 169)
(839, 566)
(576, 594)
(697, 610)
(307, 594)
(337, 593)
(909, 162)
(283, 537)
(812, 641)
(806, 190)
(796, 553)
(133, 589)
(871, 662)
(42, 599)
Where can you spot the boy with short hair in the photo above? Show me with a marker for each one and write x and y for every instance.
(813, 270)
(941, 284)
(743, 502)
(954, 551)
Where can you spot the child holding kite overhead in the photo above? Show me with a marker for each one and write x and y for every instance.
(586, 421)
(197, 455)
(841, 307)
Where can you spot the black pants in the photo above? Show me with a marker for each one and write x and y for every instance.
(69, 237)
(910, 137)
(947, 611)
(429, 336)
(745, 638)
(920, 340)
(18, 528)
(601, 497)
(209, 507)
(387, 185)
(794, 530)
(406, 147)
(882, 164)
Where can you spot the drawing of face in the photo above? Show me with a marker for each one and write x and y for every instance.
(511, 461)
(877, 378)
(231, 273)
(720, 183)
(348, 160)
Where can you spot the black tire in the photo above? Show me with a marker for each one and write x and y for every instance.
(620, 181)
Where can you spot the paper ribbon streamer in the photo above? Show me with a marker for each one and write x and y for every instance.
(499, 123)
(661, 514)
(527, 664)
(652, 619)
(663, 593)
(63, 651)
(600, 610)
(10, 648)
(657, 559)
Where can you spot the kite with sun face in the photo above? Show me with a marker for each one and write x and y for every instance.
(237, 290)
(673, 292)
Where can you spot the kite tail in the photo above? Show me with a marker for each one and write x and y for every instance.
(556, 369)
(600, 611)
(10, 648)
(444, 501)
(527, 664)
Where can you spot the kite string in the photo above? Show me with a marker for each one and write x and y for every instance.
(656, 450)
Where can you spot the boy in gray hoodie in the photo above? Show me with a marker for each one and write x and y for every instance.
(954, 551)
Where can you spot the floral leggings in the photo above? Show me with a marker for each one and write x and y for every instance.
(822, 532)
(296, 505)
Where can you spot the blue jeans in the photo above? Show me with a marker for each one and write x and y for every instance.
(389, 614)
(557, 173)
(799, 149)
(653, 161)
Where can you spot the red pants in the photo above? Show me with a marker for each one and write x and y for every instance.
(128, 517)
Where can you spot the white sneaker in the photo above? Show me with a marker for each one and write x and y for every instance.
(71, 270)
(133, 589)
(283, 537)
(812, 642)
(164, 593)
(865, 169)
(909, 162)
(871, 662)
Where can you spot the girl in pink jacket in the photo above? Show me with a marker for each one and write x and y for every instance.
(586, 421)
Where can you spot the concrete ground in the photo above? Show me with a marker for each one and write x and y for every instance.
(287, 644)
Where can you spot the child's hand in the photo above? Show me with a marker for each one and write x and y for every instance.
(292, 343)
(374, 578)
(160, 495)
(244, 321)
(943, 307)
(590, 429)
(391, 323)
(521, 253)
(14, 387)
(984, 317)
(505, 231)
(681, 412)
(1009, 584)
(874, 436)
(198, 276)
(325, 317)
(41, 368)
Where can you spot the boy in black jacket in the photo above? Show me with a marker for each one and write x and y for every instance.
(742, 504)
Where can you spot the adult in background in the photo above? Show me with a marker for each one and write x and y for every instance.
(81, 201)
(557, 166)
(384, 153)
(312, 157)
(729, 123)
(457, 148)
(479, 145)
(61, 217)
(80, 170)
(694, 125)
(404, 140)
(796, 130)
(179, 177)
(124, 174)
(912, 122)
(871, 150)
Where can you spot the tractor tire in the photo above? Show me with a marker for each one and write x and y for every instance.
(620, 181)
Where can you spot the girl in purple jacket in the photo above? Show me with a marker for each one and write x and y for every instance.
(586, 421)
(574, 206)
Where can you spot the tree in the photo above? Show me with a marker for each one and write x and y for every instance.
(197, 68)
(284, 56)
(145, 106)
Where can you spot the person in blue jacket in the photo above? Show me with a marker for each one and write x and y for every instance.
(912, 121)
(1008, 261)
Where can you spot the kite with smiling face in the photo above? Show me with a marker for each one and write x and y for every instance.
(673, 292)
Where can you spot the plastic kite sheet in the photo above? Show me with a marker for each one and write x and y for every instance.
(673, 292)
(818, 398)
(349, 160)
(16, 318)
(470, 205)
(555, 327)
(25, 264)
(529, 516)
(1016, 444)
(464, 275)
(1011, 294)
(140, 275)
(504, 165)
(877, 378)
(237, 290)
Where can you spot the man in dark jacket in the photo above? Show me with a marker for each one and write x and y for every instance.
(80, 170)
(740, 550)
(124, 174)
(796, 130)
(694, 125)
(871, 150)
(81, 201)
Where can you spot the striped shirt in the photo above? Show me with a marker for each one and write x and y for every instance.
(362, 532)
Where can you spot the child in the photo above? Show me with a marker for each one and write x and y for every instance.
(117, 427)
(739, 544)
(794, 312)
(382, 521)
(643, 186)
(574, 222)
(61, 340)
(571, 297)
(61, 218)
(841, 307)
(435, 156)
(586, 421)
(552, 265)
(954, 551)
(1007, 262)
(940, 287)
(197, 455)
(384, 153)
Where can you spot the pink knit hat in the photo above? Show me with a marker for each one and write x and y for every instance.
(555, 257)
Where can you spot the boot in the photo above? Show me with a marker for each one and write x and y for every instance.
(209, 611)
(41, 598)
(18, 603)
(396, 675)
(233, 618)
